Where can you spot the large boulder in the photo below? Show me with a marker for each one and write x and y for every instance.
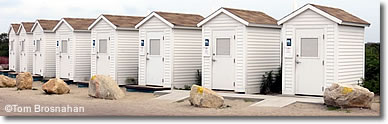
(343, 95)
(55, 86)
(7, 82)
(104, 87)
(203, 97)
(24, 81)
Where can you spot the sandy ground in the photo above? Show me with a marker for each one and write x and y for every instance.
(143, 104)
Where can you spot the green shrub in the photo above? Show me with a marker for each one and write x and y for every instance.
(198, 80)
(372, 67)
(271, 83)
(4, 44)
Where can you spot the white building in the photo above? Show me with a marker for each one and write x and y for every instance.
(239, 47)
(13, 47)
(73, 48)
(26, 46)
(115, 47)
(322, 45)
(170, 49)
(44, 47)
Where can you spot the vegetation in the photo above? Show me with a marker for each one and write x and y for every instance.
(271, 83)
(4, 44)
(198, 78)
(372, 67)
(131, 81)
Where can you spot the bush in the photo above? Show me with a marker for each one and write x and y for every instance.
(4, 44)
(372, 67)
(271, 83)
(198, 80)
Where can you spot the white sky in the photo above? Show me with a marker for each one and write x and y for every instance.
(13, 11)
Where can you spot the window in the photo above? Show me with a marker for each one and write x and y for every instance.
(309, 47)
(37, 45)
(102, 46)
(11, 46)
(22, 45)
(223, 46)
(154, 46)
(64, 46)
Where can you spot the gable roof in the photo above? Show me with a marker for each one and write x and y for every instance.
(246, 17)
(13, 27)
(76, 24)
(47, 25)
(118, 21)
(27, 26)
(174, 20)
(335, 14)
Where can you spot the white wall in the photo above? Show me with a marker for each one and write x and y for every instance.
(38, 64)
(127, 52)
(262, 55)
(81, 56)
(49, 45)
(308, 20)
(14, 54)
(350, 54)
(26, 55)
(64, 32)
(156, 25)
(223, 22)
(187, 56)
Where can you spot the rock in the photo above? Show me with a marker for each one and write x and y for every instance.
(7, 82)
(24, 81)
(203, 97)
(101, 86)
(55, 86)
(342, 95)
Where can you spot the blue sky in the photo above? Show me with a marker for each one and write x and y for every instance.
(13, 11)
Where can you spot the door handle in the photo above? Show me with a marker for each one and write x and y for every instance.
(97, 57)
(147, 58)
(297, 62)
(214, 60)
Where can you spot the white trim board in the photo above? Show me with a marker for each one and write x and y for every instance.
(152, 15)
(98, 19)
(60, 22)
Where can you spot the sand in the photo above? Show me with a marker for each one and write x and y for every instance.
(144, 104)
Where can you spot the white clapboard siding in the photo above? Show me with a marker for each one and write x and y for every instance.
(308, 19)
(187, 56)
(350, 54)
(262, 55)
(126, 55)
(81, 56)
(49, 44)
(223, 22)
(156, 25)
(26, 55)
(37, 64)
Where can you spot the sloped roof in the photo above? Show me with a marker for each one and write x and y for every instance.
(48, 24)
(79, 23)
(341, 14)
(123, 21)
(255, 17)
(27, 26)
(181, 19)
(15, 27)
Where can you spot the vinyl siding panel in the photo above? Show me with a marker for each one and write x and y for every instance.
(127, 55)
(187, 56)
(308, 20)
(49, 54)
(81, 56)
(156, 25)
(350, 54)
(262, 55)
(26, 55)
(37, 62)
(223, 22)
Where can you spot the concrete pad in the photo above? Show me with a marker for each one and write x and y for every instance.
(275, 102)
(175, 95)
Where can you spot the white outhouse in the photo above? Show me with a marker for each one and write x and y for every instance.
(73, 41)
(13, 47)
(115, 47)
(26, 46)
(239, 46)
(321, 45)
(170, 49)
(44, 47)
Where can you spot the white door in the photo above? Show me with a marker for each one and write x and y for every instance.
(64, 59)
(309, 62)
(103, 58)
(23, 57)
(223, 60)
(12, 59)
(38, 59)
(154, 59)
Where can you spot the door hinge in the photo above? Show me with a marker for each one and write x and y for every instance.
(162, 80)
(163, 59)
(109, 57)
(234, 84)
(323, 62)
(322, 88)
(163, 37)
(234, 60)
(108, 38)
(234, 37)
(323, 36)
